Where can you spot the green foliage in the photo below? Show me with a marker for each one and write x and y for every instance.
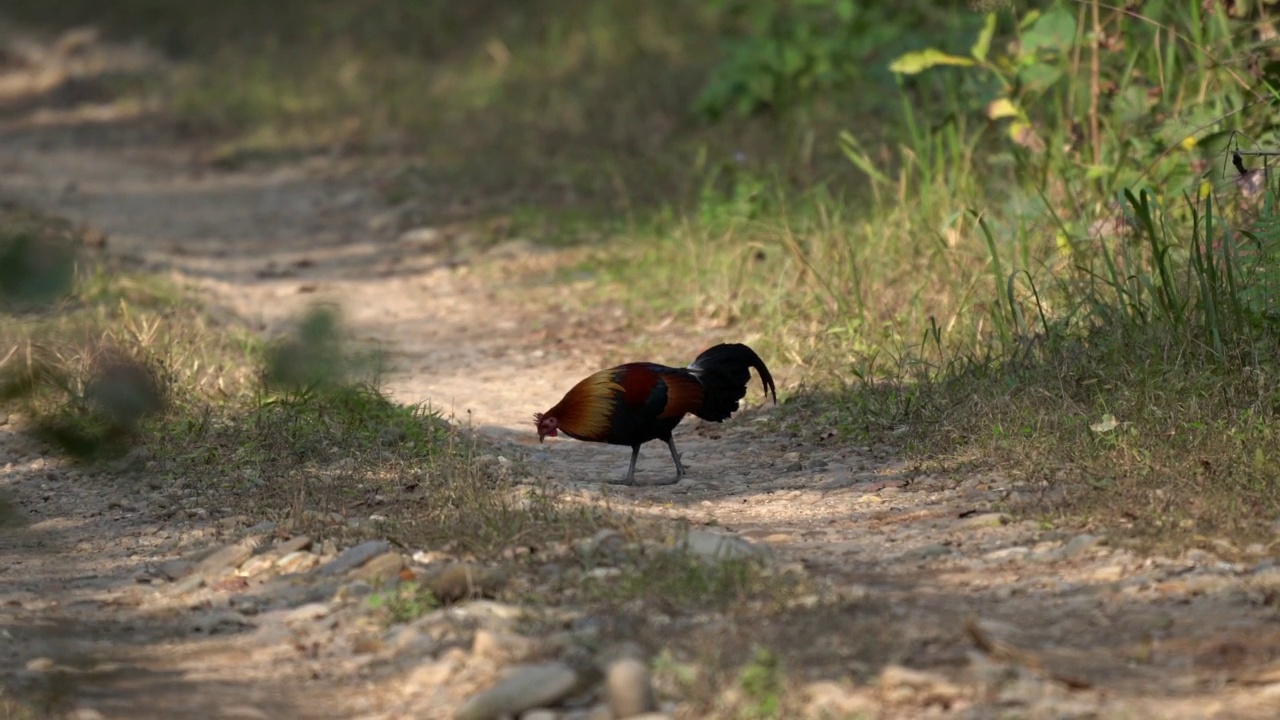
(37, 259)
(404, 603)
(781, 56)
(1034, 64)
(761, 681)
(315, 355)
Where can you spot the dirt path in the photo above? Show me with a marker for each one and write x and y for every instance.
(1082, 629)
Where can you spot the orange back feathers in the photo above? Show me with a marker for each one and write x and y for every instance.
(586, 409)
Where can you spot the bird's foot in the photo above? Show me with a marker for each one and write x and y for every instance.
(631, 481)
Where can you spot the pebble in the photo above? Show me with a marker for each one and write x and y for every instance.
(831, 699)
(982, 520)
(242, 712)
(40, 664)
(297, 562)
(900, 684)
(382, 570)
(720, 546)
(229, 557)
(354, 557)
(1009, 553)
(925, 552)
(409, 641)
(457, 581)
(220, 620)
(525, 688)
(425, 238)
(292, 545)
(257, 565)
(307, 613)
(173, 570)
(629, 689)
(502, 646)
(607, 545)
(835, 479)
(1079, 545)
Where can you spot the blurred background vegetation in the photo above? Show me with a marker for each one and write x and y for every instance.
(999, 233)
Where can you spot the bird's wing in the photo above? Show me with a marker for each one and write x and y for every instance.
(662, 391)
(684, 393)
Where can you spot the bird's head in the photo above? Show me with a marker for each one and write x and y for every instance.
(547, 425)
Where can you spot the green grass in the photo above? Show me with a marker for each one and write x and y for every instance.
(294, 430)
(1009, 286)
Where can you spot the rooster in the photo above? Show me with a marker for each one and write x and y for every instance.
(634, 403)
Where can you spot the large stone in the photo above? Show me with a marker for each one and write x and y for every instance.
(720, 546)
(628, 688)
(527, 687)
(458, 581)
(354, 557)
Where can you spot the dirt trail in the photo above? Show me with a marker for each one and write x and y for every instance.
(1088, 630)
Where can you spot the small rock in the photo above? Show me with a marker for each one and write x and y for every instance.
(503, 647)
(607, 544)
(293, 544)
(40, 664)
(228, 557)
(900, 684)
(1079, 545)
(242, 712)
(835, 479)
(628, 688)
(220, 621)
(525, 688)
(172, 570)
(307, 613)
(457, 581)
(85, 713)
(257, 565)
(232, 522)
(297, 562)
(983, 520)
(354, 557)
(194, 581)
(830, 699)
(424, 238)
(1105, 574)
(1009, 553)
(266, 527)
(491, 613)
(925, 552)
(540, 714)
(354, 590)
(410, 641)
(381, 570)
(719, 546)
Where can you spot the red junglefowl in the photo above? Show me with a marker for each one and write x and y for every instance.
(634, 403)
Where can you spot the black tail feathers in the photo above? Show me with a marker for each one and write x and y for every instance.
(725, 371)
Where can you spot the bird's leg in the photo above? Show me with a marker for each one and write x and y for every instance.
(631, 471)
(675, 456)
